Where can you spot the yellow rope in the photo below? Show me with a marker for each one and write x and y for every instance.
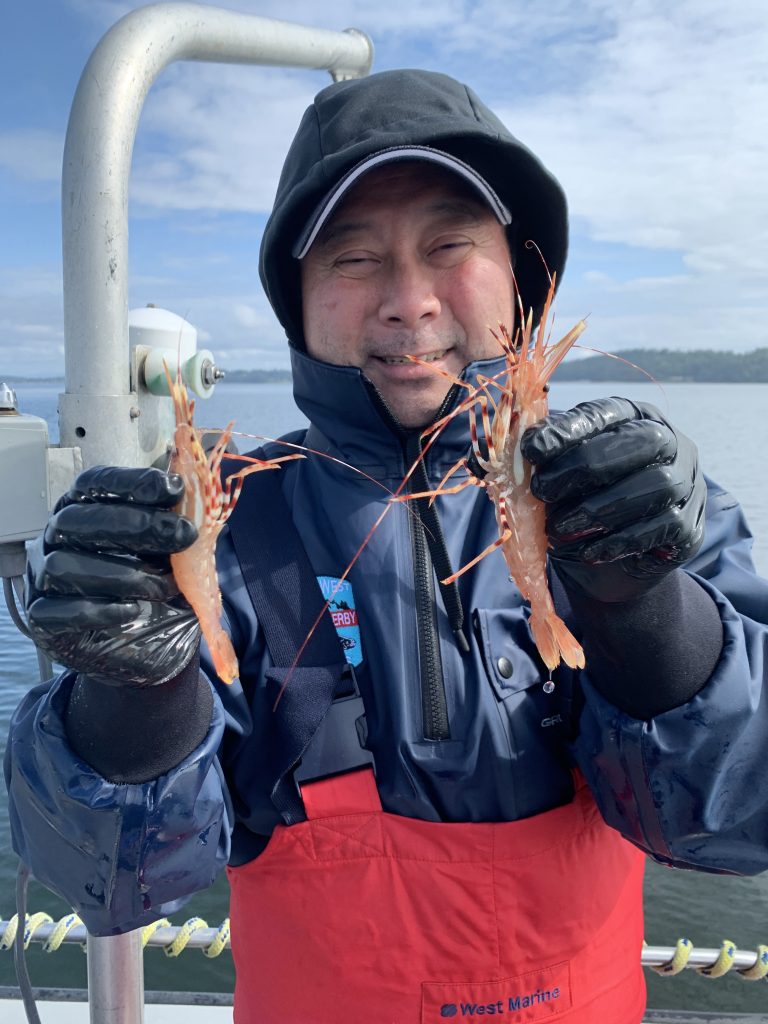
(186, 931)
(679, 959)
(723, 963)
(63, 927)
(149, 931)
(719, 968)
(8, 936)
(759, 969)
(31, 926)
(221, 939)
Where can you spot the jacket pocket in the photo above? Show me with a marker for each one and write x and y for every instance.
(507, 650)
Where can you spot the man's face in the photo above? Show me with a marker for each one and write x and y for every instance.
(412, 263)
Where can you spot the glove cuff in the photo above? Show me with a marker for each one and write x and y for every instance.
(608, 583)
(132, 734)
(654, 653)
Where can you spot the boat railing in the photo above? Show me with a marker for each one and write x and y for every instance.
(196, 934)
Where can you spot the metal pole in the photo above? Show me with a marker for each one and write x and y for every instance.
(97, 159)
(97, 411)
(116, 979)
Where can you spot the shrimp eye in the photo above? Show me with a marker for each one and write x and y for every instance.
(473, 465)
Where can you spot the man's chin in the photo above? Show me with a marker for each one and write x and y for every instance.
(415, 414)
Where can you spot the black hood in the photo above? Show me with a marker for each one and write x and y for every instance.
(351, 120)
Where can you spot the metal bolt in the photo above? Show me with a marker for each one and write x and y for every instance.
(211, 373)
(134, 412)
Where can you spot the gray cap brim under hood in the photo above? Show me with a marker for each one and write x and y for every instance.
(351, 120)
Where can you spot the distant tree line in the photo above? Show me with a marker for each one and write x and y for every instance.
(664, 364)
(256, 376)
(232, 376)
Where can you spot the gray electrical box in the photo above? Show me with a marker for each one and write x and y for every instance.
(24, 497)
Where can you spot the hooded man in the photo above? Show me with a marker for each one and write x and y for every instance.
(421, 826)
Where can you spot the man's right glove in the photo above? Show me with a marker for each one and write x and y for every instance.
(100, 595)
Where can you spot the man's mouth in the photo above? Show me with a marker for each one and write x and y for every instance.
(428, 357)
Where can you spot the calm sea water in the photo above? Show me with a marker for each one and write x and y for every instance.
(728, 424)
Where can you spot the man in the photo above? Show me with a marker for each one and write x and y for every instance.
(473, 874)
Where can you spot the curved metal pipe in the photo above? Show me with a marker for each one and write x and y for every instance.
(97, 160)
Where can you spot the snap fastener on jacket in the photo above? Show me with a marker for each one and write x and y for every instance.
(505, 667)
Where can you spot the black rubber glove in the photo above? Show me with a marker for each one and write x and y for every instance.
(624, 492)
(100, 595)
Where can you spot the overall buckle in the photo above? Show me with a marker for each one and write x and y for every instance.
(337, 746)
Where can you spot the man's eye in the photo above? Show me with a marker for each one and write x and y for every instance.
(356, 264)
(452, 248)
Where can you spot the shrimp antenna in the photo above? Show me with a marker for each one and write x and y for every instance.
(530, 244)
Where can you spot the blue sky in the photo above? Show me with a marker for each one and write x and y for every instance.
(651, 114)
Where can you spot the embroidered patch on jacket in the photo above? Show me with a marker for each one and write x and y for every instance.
(344, 615)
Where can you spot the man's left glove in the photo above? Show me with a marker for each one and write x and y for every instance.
(624, 492)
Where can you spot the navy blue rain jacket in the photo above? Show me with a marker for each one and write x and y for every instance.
(684, 786)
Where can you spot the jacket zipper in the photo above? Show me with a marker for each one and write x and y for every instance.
(433, 700)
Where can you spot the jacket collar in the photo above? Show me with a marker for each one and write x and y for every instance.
(350, 418)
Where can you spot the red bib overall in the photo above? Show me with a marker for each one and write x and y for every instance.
(357, 915)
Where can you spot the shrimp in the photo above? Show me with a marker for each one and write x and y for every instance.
(506, 475)
(208, 503)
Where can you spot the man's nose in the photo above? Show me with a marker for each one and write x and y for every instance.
(409, 297)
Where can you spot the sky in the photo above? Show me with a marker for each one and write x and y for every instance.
(651, 113)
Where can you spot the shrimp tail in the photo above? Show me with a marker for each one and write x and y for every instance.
(223, 655)
(555, 641)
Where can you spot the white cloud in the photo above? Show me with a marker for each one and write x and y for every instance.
(224, 135)
(656, 145)
(32, 155)
(683, 311)
(31, 331)
(22, 283)
(247, 315)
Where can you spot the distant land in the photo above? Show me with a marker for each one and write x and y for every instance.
(232, 377)
(700, 365)
(668, 365)
(662, 364)
(256, 376)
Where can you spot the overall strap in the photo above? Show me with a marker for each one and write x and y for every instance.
(350, 793)
(287, 599)
(277, 572)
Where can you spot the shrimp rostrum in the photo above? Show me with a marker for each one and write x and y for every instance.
(508, 404)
